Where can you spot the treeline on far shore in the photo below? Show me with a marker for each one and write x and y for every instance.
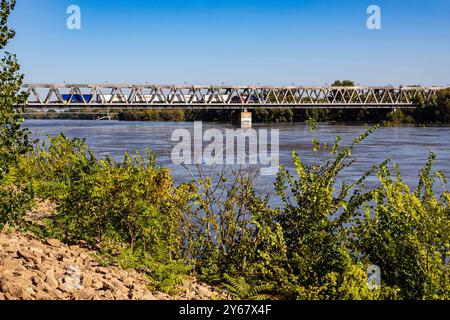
(436, 111)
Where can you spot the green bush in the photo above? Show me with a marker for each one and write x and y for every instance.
(15, 202)
(407, 234)
(52, 165)
(308, 237)
(320, 241)
(323, 238)
(15, 198)
(317, 244)
(221, 230)
(129, 210)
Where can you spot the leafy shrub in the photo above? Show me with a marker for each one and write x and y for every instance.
(323, 239)
(320, 241)
(407, 234)
(317, 244)
(52, 165)
(310, 256)
(129, 210)
(240, 289)
(221, 229)
(15, 202)
(14, 141)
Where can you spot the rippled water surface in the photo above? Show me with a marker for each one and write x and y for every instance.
(407, 146)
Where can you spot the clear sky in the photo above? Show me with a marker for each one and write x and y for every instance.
(305, 42)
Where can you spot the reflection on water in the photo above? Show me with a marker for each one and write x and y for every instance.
(407, 146)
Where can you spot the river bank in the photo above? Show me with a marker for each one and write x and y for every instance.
(35, 269)
(388, 117)
(134, 215)
(31, 269)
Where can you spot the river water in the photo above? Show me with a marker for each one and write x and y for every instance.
(407, 146)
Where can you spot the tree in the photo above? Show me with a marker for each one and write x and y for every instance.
(344, 83)
(13, 139)
(443, 102)
(15, 197)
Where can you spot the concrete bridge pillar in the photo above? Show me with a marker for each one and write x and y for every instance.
(244, 119)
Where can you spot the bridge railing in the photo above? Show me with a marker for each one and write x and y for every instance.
(172, 96)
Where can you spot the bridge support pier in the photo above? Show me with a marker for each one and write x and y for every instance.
(244, 119)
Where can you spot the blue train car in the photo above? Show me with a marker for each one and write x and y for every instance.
(76, 98)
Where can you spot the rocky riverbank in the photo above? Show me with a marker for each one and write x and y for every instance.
(33, 270)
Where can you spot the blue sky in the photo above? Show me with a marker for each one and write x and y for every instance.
(305, 42)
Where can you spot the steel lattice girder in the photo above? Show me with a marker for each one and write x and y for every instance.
(218, 97)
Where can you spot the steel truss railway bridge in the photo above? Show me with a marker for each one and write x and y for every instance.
(107, 97)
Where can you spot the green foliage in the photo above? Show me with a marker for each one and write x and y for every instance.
(14, 141)
(320, 241)
(324, 237)
(152, 115)
(317, 244)
(131, 202)
(344, 83)
(52, 165)
(301, 250)
(407, 234)
(220, 224)
(274, 115)
(15, 202)
(399, 116)
(240, 289)
(310, 231)
(129, 210)
(436, 111)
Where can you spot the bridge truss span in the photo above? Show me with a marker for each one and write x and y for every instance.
(86, 96)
